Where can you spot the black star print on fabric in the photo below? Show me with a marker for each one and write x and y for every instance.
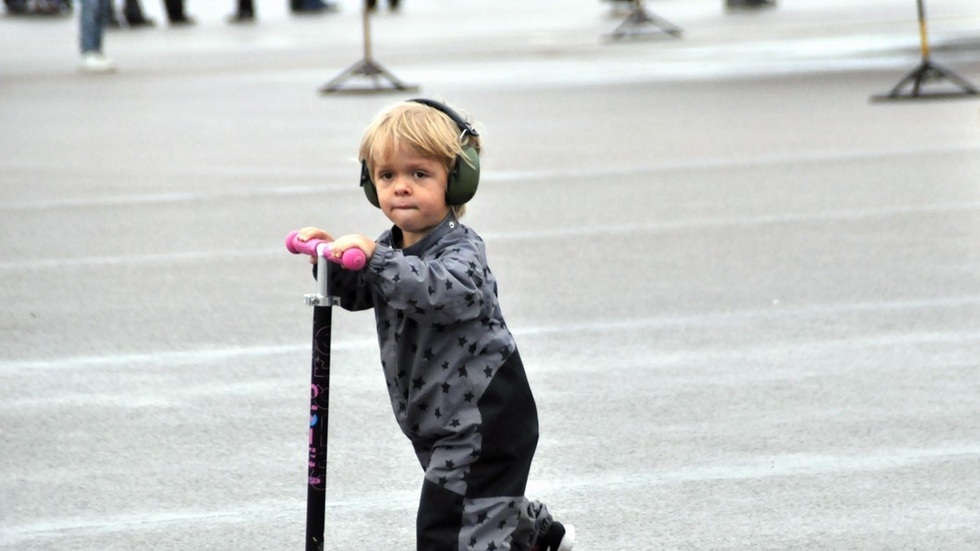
(462, 371)
(454, 423)
(438, 413)
(429, 354)
(415, 270)
(468, 396)
(481, 518)
(488, 371)
(396, 279)
(461, 342)
(446, 387)
(445, 366)
(432, 291)
(417, 383)
(450, 465)
(491, 546)
(449, 285)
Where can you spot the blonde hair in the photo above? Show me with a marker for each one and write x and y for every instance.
(426, 130)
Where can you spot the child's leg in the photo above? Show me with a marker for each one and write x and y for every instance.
(473, 494)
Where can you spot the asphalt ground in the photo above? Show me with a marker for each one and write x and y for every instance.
(747, 296)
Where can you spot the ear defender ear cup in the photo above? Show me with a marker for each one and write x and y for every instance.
(465, 174)
(367, 184)
(465, 178)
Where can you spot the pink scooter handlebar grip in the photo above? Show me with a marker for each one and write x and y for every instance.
(352, 259)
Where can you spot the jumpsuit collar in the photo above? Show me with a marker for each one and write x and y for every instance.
(448, 224)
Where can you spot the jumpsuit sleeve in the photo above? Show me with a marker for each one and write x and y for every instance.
(448, 288)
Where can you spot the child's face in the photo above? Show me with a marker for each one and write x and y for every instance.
(412, 192)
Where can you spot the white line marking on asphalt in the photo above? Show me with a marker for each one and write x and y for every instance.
(755, 468)
(221, 354)
(500, 176)
(565, 232)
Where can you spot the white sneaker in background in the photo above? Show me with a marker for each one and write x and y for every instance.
(96, 62)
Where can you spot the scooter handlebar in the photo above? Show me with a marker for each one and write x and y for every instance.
(352, 259)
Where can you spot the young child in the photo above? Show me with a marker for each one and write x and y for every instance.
(454, 375)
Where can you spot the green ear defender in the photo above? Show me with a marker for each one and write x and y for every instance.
(464, 177)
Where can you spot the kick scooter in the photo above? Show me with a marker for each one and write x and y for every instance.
(321, 301)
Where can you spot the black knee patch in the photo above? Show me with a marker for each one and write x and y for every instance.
(509, 434)
(439, 518)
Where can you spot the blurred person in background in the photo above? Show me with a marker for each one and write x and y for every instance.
(175, 13)
(245, 12)
(311, 6)
(95, 14)
(133, 13)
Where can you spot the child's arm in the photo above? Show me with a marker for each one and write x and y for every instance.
(452, 287)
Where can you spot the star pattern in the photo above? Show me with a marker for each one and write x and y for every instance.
(443, 339)
(491, 524)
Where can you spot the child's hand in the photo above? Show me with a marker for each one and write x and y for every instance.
(311, 232)
(352, 241)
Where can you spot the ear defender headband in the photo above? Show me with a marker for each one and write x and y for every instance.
(464, 177)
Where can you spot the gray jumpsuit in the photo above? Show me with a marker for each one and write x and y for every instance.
(457, 386)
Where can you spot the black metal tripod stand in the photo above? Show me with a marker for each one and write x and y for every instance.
(640, 23)
(368, 76)
(927, 72)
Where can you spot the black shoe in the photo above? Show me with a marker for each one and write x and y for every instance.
(138, 22)
(183, 21)
(16, 7)
(51, 7)
(557, 538)
(242, 17)
(314, 6)
(749, 4)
